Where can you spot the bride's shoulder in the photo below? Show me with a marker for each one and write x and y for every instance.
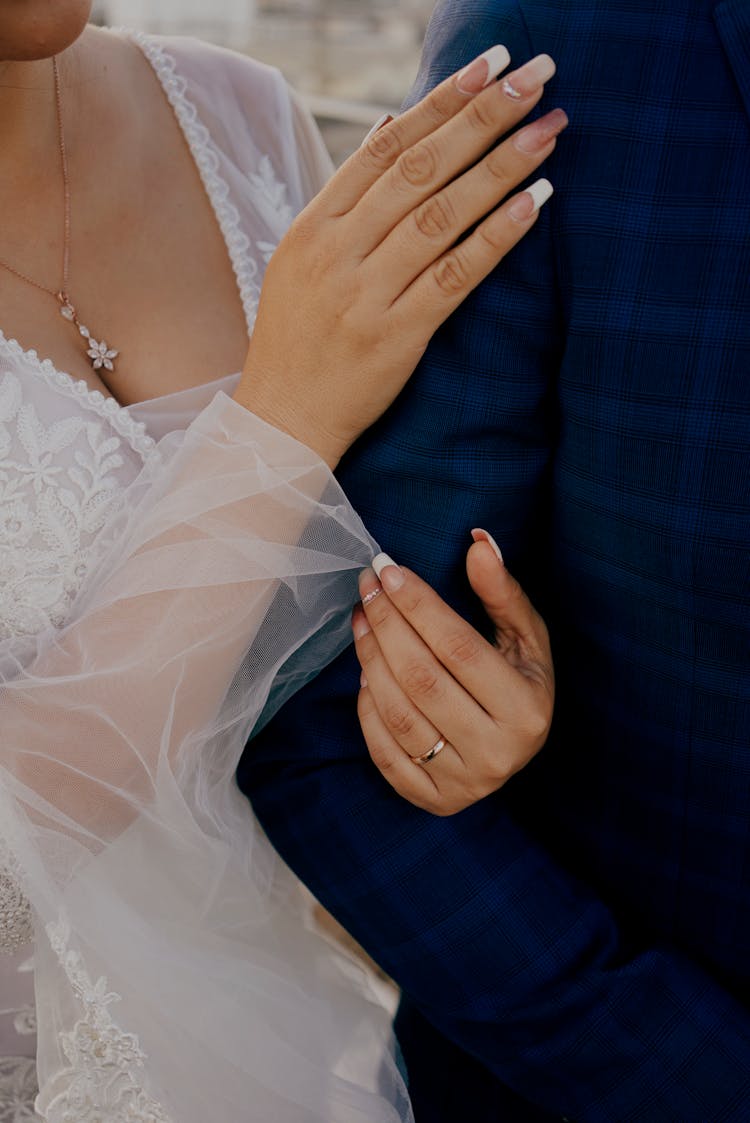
(217, 74)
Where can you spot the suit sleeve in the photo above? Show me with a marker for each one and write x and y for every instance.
(503, 950)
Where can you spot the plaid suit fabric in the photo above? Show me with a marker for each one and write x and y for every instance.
(583, 934)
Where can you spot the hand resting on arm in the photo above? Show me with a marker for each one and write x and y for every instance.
(219, 519)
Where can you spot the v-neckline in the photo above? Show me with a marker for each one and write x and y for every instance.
(205, 158)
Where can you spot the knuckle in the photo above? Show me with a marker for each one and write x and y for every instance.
(499, 771)
(298, 239)
(440, 106)
(451, 276)
(435, 217)
(382, 149)
(365, 709)
(398, 720)
(496, 167)
(418, 165)
(480, 116)
(380, 757)
(367, 652)
(495, 236)
(446, 806)
(379, 610)
(538, 724)
(462, 647)
(420, 680)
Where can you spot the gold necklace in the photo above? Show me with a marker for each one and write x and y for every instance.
(99, 354)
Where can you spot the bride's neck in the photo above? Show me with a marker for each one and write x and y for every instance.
(29, 149)
(27, 117)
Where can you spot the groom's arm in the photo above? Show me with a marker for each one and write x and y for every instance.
(501, 948)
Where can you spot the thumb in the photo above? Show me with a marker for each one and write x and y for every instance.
(517, 624)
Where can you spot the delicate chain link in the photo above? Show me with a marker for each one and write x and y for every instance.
(102, 356)
(60, 294)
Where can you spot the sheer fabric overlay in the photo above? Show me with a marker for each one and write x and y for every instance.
(170, 574)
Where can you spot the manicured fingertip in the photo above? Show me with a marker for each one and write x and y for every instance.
(526, 205)
(385, 119)
(483, 70)
(480, 535)
(379, 562)
(540, 192)
(390, 574)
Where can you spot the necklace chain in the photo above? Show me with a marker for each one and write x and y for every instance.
(99, 354)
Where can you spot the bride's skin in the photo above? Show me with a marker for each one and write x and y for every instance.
(374, 244)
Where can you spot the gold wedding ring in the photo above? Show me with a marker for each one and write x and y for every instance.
(431, 753)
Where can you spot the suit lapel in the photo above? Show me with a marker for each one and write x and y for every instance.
(732, 18)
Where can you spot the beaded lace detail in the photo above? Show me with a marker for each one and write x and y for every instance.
(16, 925)
(16, 921)
(103, 1080)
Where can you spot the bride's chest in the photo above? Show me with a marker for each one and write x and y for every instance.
(66, 455)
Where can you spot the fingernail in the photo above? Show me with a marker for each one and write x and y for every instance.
(528, 203)
(483, 70)
(539, 133)
(363, 680)
(391, 576)
(360, 626)
(478, 535)
(384, 120)
(526, 81)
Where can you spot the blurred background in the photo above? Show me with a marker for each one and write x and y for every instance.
(352, 59)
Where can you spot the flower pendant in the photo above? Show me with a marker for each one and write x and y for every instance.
(101, 355)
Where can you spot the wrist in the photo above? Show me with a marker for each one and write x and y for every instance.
(295, 423)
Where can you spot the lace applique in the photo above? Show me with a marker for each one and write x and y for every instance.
(16, 923)
(57, 486)
(17, 1090)
(16, 919)
(109, 409)
(103, 1082)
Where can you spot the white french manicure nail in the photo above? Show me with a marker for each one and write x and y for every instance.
(380, 562)
(495, 547)
(487, 537)
(540, 192)
(382, 120)
(497, 58)
(483, 70)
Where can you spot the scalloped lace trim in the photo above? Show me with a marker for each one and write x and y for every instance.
(207, 161)
(134, 432)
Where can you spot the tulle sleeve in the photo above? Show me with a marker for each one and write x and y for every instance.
(175, 977)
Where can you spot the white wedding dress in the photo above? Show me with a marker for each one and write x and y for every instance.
(169, 574)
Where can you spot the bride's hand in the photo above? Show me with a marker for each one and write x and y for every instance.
(375, 263)
(431, 681)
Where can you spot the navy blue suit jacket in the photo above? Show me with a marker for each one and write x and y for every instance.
(578, 944)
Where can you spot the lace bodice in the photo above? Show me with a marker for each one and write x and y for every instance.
(65, 457)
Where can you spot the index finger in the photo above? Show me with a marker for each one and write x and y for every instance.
(467, 656)
(381, 149)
